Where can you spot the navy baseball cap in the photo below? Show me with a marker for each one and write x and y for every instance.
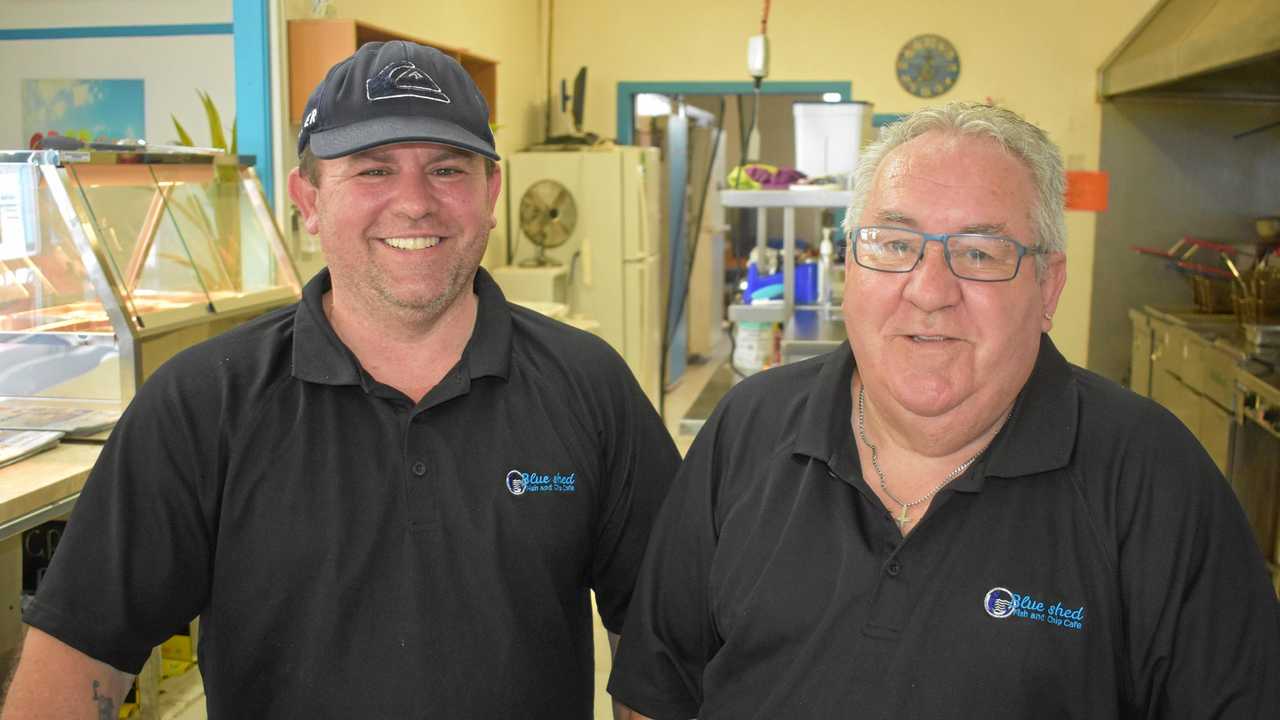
(394, 92)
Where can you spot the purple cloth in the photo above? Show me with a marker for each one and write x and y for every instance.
(780, 180)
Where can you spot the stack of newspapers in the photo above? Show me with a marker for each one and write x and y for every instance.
(73, 421)
(26, 428)
(16, 445)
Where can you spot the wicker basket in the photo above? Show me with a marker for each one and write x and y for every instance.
(1258, 302)
(1211, 295)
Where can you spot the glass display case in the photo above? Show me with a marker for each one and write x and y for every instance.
(112, 262)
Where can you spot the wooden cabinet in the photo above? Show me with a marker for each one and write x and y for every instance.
(317, 45)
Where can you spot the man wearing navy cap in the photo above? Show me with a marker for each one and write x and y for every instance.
(387, 501)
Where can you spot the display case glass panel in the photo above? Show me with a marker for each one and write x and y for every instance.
(110, 263)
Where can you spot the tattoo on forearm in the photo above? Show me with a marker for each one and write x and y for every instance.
(106, 705)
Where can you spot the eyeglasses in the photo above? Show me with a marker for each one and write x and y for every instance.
(985, 258)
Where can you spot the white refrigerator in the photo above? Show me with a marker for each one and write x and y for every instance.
(613, 250)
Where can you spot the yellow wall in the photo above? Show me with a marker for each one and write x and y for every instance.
(1037, 57)
(509, 31)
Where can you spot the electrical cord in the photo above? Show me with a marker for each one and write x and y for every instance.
(744, 146)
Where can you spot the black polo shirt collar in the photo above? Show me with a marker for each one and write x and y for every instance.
(319, 356)
(825, 432)
(1042, 426)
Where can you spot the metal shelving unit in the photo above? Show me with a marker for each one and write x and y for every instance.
(788, 201)
(822, 333)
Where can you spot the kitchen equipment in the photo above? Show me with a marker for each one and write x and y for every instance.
(1257, 300)
(1210, 283)
(1192, 374)
(548, 216)
(1255, 468)
(610, 244)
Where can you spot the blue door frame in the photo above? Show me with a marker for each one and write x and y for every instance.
(627, 92)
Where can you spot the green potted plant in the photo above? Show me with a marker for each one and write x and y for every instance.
(224, 194)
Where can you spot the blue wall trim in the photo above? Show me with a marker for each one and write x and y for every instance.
(882, 119)
(108, 31)
(253, 88)
(627, 92)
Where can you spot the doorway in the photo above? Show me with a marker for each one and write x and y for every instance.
(699, 114)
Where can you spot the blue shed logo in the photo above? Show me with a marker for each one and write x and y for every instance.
(998, 603)
(1001, 603)
(520, 482)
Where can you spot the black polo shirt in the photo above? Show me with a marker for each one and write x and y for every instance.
(1092, 564)
(352, 554)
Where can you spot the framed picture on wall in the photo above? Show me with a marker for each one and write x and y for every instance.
(91, 110)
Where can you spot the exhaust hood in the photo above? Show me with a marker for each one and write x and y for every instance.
(1226, 50)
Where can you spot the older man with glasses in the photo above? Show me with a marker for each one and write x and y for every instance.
(944, 518)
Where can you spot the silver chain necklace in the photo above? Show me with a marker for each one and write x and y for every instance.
(902, 518)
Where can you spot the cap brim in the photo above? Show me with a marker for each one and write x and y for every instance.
(353, 138)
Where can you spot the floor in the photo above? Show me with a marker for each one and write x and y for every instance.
(182, 697)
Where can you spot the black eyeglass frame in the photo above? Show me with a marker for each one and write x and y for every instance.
(941, 239)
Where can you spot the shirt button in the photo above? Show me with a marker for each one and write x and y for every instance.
(419, 468)
(894, 568)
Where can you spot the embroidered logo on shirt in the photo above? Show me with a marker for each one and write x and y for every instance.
(1001, 603)
(520, 482)
(515, 482)
(998, 602)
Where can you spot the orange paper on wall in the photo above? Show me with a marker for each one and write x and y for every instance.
(1087, 190)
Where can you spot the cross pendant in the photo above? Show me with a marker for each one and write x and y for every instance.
(902, 519)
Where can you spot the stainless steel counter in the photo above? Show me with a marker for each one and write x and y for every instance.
(1226, 390)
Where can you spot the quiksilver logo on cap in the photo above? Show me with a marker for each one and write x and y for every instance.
(403, 79)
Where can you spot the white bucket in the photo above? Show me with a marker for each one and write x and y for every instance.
(829, 136)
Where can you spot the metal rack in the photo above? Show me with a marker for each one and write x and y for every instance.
(788, 201)
(797, 342)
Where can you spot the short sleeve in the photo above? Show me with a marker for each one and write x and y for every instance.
(134, 564)
(1202, 621)
(670, 635)
(640, 461)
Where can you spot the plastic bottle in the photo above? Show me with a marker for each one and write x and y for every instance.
(825, 252)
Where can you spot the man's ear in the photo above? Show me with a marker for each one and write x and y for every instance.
(304, 194)
(1052, 280)
(495, 188)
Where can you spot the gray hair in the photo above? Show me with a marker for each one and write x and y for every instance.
(1024, 141)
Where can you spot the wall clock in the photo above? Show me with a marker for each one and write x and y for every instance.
(928, 65)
